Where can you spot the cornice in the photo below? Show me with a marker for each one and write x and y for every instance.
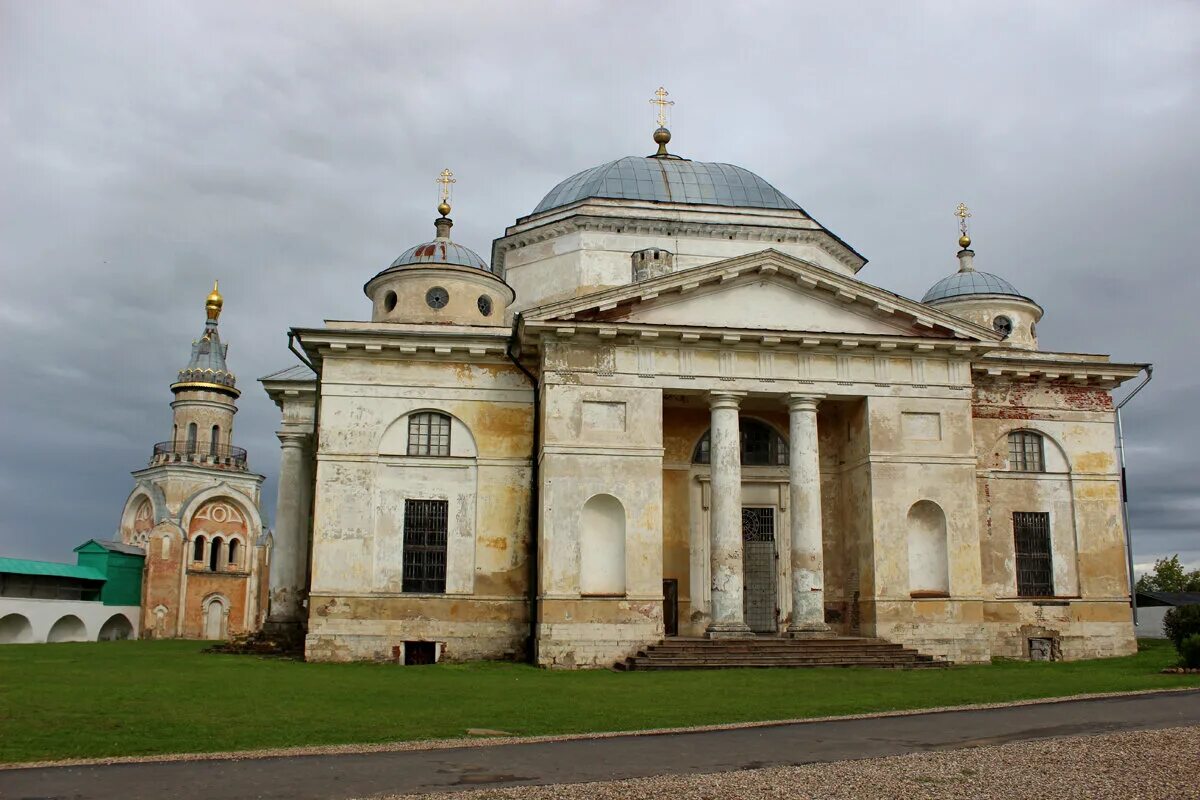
(672, 227)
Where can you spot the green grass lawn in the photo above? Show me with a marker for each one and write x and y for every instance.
(143, 697)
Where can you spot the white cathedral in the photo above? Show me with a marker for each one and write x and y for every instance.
(669, 407)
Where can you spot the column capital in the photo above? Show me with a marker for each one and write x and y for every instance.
(292, 438)
(725, 399)
(803, 401)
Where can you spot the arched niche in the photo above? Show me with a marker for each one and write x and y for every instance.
(116, 628)
(68, 629)
(15, 629)
(928, 560)
(394, 441)
(602, 546)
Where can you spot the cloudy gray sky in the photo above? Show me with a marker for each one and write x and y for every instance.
(290, 150)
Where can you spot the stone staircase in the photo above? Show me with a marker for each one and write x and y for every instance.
(770, 651)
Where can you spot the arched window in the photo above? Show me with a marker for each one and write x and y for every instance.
(166, 547)
(602, 546)
(762, 446)
(214, 554)
(429, 434)
(928, 561)
(215, 441)
(1026, 452)
(198, 549)
(191, 438)
(233, 553)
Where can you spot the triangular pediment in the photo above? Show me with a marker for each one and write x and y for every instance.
(768, 291)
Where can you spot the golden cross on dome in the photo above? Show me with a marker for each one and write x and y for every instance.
(962, 212)
(660, 100)
(445, 179)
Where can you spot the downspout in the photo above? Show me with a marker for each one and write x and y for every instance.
(534, 502)
(1149, 370)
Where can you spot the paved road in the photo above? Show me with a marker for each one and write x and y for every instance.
(335, 777)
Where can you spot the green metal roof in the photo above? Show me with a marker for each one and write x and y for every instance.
(20, 566)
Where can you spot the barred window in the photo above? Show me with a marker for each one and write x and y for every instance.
(1035, 569)
(425, 546)
(429, 434)
(1026, 451)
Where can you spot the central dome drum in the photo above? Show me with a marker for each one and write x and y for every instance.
(668, 180)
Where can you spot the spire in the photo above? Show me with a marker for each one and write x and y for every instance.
(966, 256)
(661, 134)
(443, 224)
(206, 369)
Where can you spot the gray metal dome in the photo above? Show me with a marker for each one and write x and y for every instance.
(668, 180)
(440, 251)
(970, 282)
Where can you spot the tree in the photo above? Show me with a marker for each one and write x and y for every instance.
(1169, 575)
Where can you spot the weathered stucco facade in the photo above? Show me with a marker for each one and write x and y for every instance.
(684, 414)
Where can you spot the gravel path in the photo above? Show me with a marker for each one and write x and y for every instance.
(1147, 765)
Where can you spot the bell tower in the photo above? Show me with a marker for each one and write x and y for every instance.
(196, 508)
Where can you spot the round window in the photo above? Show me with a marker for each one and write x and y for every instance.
(1003, 326)
(437, 297)
(485, 305)
(389, 301)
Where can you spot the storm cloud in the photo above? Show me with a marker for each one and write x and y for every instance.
(290, 150)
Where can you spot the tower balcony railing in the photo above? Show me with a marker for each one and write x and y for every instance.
(221, 456)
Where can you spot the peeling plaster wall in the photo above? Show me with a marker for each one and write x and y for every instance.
(1080, 489)
(922, 449)
(357, 609)
(599, 440)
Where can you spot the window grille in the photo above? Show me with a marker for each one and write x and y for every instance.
(425, 546)
(1026, 451)
(761, 446)
(428, 434)
(1035, 568)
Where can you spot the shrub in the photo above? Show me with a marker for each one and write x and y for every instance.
(1181, 622)
(1189, 651)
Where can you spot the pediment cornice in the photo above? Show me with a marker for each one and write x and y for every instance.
(610, 305)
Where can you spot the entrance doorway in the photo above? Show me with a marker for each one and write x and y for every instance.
(671, 606)
(758, 569)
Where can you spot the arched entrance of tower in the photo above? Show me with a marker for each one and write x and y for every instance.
(215, 615)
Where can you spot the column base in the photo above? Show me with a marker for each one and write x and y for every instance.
(809, 630)
(729, 630)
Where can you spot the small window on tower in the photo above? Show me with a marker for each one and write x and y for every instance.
(1003, 326)
(389, 301)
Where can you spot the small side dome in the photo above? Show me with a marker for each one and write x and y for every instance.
(967, 283)
(440, 251)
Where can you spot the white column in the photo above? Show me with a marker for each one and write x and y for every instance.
(807, 563)
(725, 519)
(289, 553)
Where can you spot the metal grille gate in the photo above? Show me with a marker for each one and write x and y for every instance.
(758, 568)
(1035, 571)
(425, 545)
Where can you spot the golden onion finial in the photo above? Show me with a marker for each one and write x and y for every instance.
(214, 302)
(962, 212)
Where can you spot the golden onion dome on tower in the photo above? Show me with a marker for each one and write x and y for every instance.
(214, 302)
